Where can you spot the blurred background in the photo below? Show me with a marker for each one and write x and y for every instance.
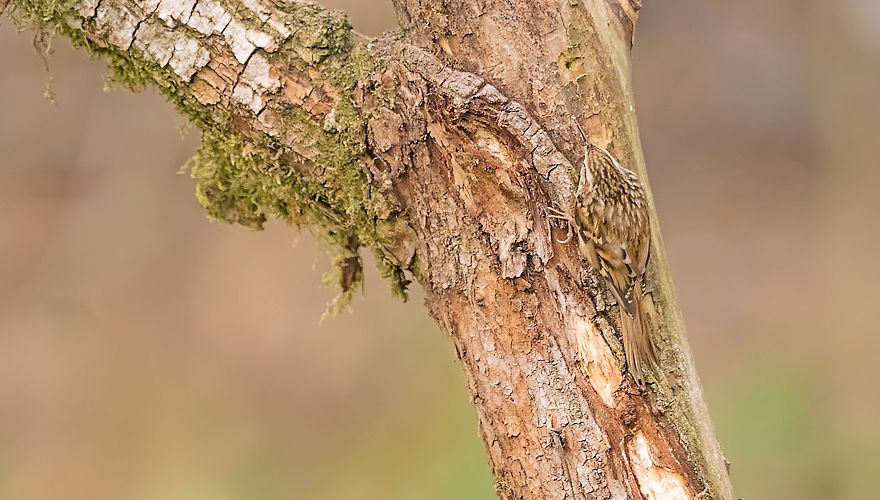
(146, 353)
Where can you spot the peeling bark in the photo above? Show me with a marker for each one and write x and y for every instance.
(439, 148)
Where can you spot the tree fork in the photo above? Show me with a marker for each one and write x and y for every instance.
(439, 147)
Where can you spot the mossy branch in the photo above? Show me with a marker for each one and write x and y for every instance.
(271, 89)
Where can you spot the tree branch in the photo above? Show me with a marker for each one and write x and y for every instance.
(439, 148)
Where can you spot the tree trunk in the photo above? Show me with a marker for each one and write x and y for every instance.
(439, 148)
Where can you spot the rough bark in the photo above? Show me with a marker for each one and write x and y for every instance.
(439, 148)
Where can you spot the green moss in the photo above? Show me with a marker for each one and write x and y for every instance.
(227, 184)
(42, 15)
(318, 33)
(341, 148)
(395, 274)
(46, 19)
(332, 36)
(247, 180)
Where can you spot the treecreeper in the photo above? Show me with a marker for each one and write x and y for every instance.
(611, 222)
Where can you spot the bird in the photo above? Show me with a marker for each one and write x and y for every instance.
(611, 222)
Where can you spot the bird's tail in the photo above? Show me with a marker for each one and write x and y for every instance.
(638, 343)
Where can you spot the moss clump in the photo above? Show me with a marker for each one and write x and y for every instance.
(395, 275)
(42, 15)
(228, 185)
(246, 182)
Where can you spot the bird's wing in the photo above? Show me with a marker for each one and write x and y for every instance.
(616, 265)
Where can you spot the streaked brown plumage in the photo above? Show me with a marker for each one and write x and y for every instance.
(613, 231)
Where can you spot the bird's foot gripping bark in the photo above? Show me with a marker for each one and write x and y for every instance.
(554, 213)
